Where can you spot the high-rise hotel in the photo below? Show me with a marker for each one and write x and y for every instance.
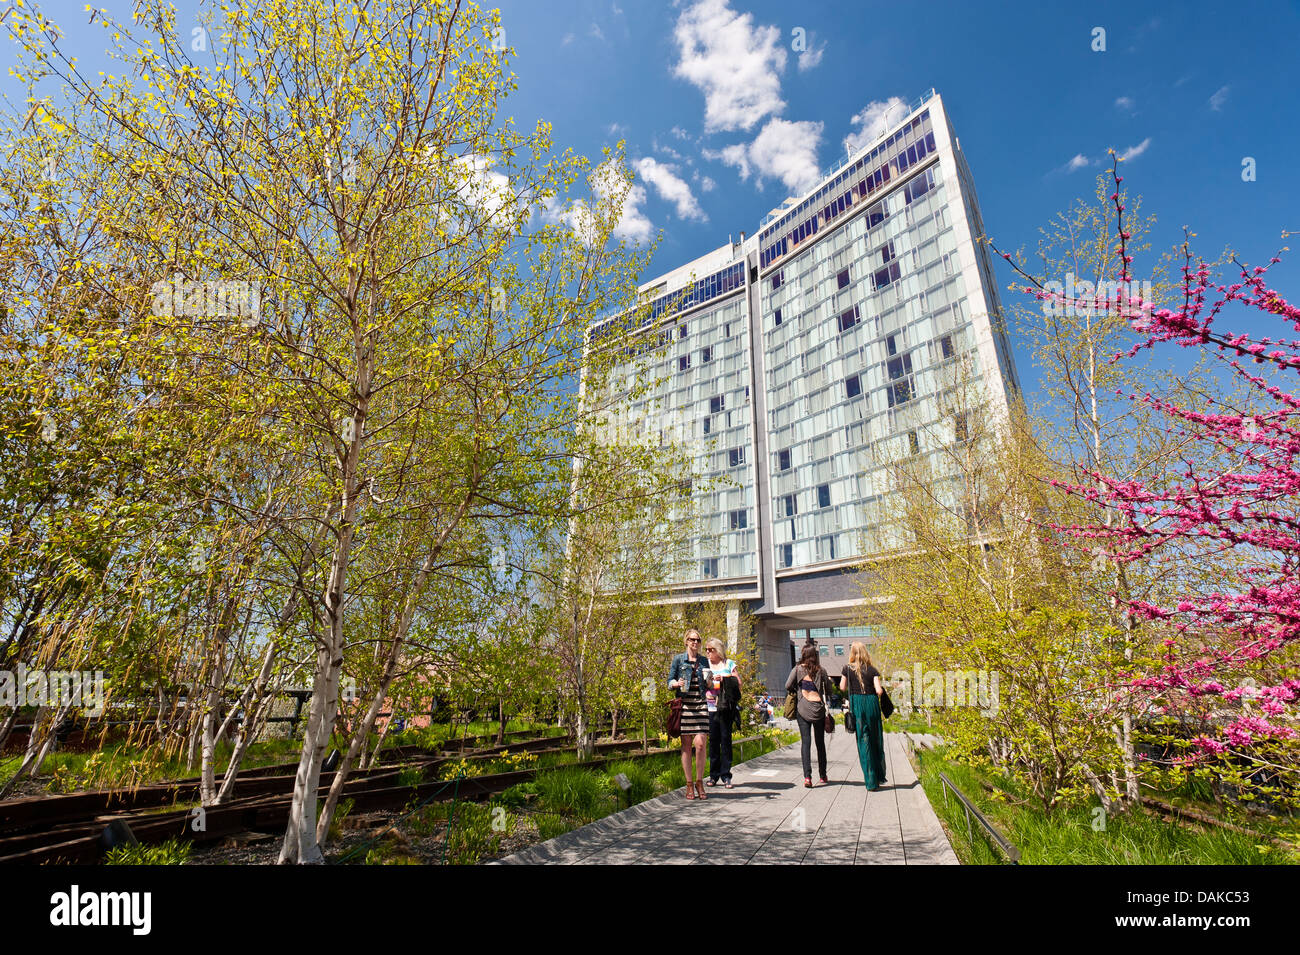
(804, 359)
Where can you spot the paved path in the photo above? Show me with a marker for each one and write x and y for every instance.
(770, 818)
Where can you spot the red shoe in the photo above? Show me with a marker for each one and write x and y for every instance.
(807, 782)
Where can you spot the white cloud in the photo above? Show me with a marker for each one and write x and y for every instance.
(483, 189)
(667, 151)
(1219, 98)
(734, 63)
(596, 32)
(1134, 151)
(1125, 103)
(680, 133)
(568, 38)
(811, 58)
(671, 187)
(607, 185)
(872, 120)
(1080, 161)
(707, 184)
(783, 150)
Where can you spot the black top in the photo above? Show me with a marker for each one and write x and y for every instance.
(868, 683)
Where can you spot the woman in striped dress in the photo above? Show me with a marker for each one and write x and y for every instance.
(687, 677)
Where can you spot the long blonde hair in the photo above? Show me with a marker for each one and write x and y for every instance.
(858, 656)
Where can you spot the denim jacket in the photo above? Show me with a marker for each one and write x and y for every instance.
(681, 667)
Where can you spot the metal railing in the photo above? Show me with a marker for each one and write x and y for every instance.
(997, 838)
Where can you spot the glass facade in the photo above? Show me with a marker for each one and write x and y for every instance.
(701, 400)
(858, 328)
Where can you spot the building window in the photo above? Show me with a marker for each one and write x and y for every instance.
(726, 330)
(787, 555)
(709, 568)
(681, 331)
(739, 520)
(946, 346)
(825, 651)
(891, 345)
(842, 279)
(913, 443)
(683, 362)
(783, 460)
(708, 424)
(706, 355)
(776, 317)
(848, 319)
(790, 505)
(961, 426)
(826, 547)
(853, 386)
(900, 366)
(886, 276)
(899, 393)
(717, 403)
(839, 649)
(736, 457)
(776, 281)
(823, 495)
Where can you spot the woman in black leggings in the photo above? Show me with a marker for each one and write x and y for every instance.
(809, 680)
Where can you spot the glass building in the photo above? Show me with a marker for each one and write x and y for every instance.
(801, 361)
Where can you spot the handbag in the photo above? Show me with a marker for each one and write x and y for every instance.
(850, 722)
(886, 704)
(791, 701)
(826, 702)
(674, 727)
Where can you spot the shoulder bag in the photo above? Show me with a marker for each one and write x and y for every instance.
(826, 701)
(791, 701)
(850, 723)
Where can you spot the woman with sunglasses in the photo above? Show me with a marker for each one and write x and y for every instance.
(686, 676)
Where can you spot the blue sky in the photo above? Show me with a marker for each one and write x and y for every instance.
(723, 116)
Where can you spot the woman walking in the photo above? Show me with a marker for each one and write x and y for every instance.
(861, 681)
(686, 676)
(810, 681)
(721, 698)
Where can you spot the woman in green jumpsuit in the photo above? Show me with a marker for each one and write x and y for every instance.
(861, 681)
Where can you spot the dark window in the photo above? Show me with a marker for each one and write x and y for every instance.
(826, 547)
(853, 386)
(900, 366)
(717, 403)
(739, 520)
(839, 649)
(783, 460)
(790, 504)
(681, 331)
(706, 355)
(899, 393)
(946, 347)
(736, 457)
(825, 651)
(913, 442)
(891, 345)
(823, 495)
(708, 425)
(848, 319)
(787, 555)
(726, 331)
(709, 567)
(843, 278)
(961, 429)
(886, 252)
(886, 276)
(776, 281)
(684, 362)
(776, 316)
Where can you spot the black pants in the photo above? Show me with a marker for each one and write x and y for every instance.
(808, 730)
(720, 746)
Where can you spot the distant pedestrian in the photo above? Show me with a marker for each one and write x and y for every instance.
(861, 681)
(813, 686)
(686, 676)
(723, 701)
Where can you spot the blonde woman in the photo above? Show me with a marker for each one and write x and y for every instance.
(686, 676)
(722, 697)
(861, 681)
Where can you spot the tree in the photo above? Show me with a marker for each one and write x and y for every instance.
(1235, 496)
(396, 373)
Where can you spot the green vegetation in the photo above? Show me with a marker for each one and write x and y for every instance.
(1080, 833)
(171, 852)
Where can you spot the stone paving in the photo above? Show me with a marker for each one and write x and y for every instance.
(769, 818)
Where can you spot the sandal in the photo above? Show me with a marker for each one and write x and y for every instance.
(699, 786)
(690, 792)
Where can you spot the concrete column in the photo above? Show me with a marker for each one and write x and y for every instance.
(733, 627)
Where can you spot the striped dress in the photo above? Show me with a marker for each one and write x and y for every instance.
(695, 714)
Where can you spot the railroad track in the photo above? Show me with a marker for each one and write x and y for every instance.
(68, 829)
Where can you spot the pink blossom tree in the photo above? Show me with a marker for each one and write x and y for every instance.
(1232, 501)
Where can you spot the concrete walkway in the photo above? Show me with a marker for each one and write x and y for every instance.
(769, 818)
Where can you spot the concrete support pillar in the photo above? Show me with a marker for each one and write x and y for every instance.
(733, 627)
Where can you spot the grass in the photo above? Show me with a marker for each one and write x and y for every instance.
(171, 852)
(1079, 834)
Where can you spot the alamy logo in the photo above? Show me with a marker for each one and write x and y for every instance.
(208, 300)
(74, 907)
(81, 688)
(1077, 299)
(947, 688)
